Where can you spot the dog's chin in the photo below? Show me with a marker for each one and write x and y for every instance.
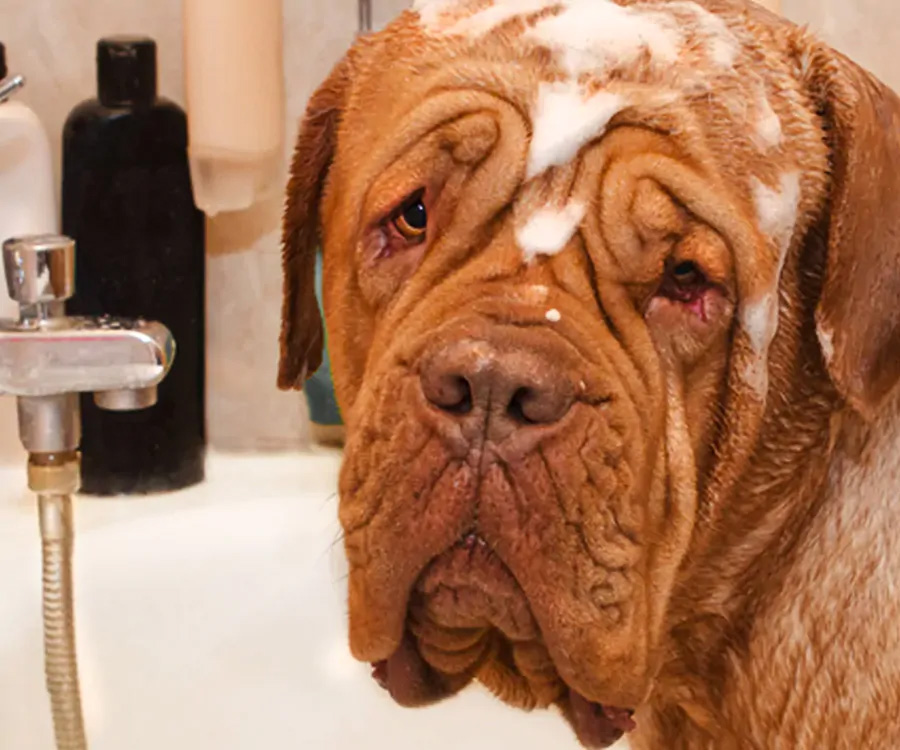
(469, 620)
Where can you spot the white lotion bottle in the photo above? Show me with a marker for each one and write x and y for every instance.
(234, 82)
(27, 206)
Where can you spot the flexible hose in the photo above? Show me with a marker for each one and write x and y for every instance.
(61, 664)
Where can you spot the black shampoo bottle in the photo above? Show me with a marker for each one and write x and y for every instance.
(127, 202)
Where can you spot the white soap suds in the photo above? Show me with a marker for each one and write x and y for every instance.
(776, 210)
(588, 38)
(564, 121)
(549, 230)
(554, 316)
(722, 45)
(591, 35)
(533, 294)
(431, 11)
(594, 35)
(756, 375)
(777, 215)
(826, 342)
(760, 319)
(496, 14)
(769, 133)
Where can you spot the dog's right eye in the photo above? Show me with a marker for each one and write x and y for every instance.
(412, 221)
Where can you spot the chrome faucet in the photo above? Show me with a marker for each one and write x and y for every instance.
(46, 359)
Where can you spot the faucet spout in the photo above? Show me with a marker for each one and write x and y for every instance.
(46, 353)
(82, 355)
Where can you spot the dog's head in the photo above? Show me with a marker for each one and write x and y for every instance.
(576, 251)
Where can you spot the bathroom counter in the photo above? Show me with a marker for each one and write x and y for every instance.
(214, 619)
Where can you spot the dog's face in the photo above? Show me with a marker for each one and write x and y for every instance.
(555, 239)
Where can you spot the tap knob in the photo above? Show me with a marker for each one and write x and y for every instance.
(40, 269)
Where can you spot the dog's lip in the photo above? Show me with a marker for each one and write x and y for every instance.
(411, 682)
(598, 725)
(472, 539)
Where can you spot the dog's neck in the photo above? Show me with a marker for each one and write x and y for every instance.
(777, 598)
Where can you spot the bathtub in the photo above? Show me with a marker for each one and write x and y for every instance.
(214, 619)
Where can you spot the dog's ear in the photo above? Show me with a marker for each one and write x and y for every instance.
(858, 316)
(301, 325)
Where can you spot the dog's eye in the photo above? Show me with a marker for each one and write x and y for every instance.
(412, 221)
(685, 282)
(686, 273)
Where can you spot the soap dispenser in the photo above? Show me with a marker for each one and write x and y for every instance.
(234, 85)
(127, 202)
(27, 202)
(27, 205)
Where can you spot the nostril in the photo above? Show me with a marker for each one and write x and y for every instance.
(530, 405)
(459, 399)
(520, 405)
(450, 393)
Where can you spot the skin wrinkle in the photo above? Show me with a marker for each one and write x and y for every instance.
(591, 480)
(610, 507)
(374, 507)
(516, 495)
(456, 254)
(600, 159)
(428, 492)
(578, 529)
(373, 478)
(386, 524)
(592, 278)
(437, 479)
(570, 341)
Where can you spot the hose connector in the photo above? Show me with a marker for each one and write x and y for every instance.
(54, 473)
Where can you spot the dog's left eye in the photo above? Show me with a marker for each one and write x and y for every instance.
(687, 273)
(412, 221)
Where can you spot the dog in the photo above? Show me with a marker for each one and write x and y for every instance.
(612, 291)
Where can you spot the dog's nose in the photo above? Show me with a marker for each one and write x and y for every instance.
(512, 388)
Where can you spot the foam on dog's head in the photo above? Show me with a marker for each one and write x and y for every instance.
(564, 120)
(549, 230)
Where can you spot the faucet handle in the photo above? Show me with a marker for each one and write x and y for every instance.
(40, 269)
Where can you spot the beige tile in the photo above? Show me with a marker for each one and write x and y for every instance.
(866, 30)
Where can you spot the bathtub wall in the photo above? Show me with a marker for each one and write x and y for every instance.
(866, 30)
(51, 41)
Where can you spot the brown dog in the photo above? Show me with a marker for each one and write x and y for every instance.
(613, 291)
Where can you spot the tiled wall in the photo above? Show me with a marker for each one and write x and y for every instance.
(51, 41)
(866, 30)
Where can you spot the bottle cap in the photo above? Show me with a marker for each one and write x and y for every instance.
(126, 70)
(3, 70)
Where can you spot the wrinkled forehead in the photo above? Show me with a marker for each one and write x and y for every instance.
(592, 38)
(575, 68)
(713, 83)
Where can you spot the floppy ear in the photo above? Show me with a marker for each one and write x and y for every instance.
(858, 316)
(301, 324)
